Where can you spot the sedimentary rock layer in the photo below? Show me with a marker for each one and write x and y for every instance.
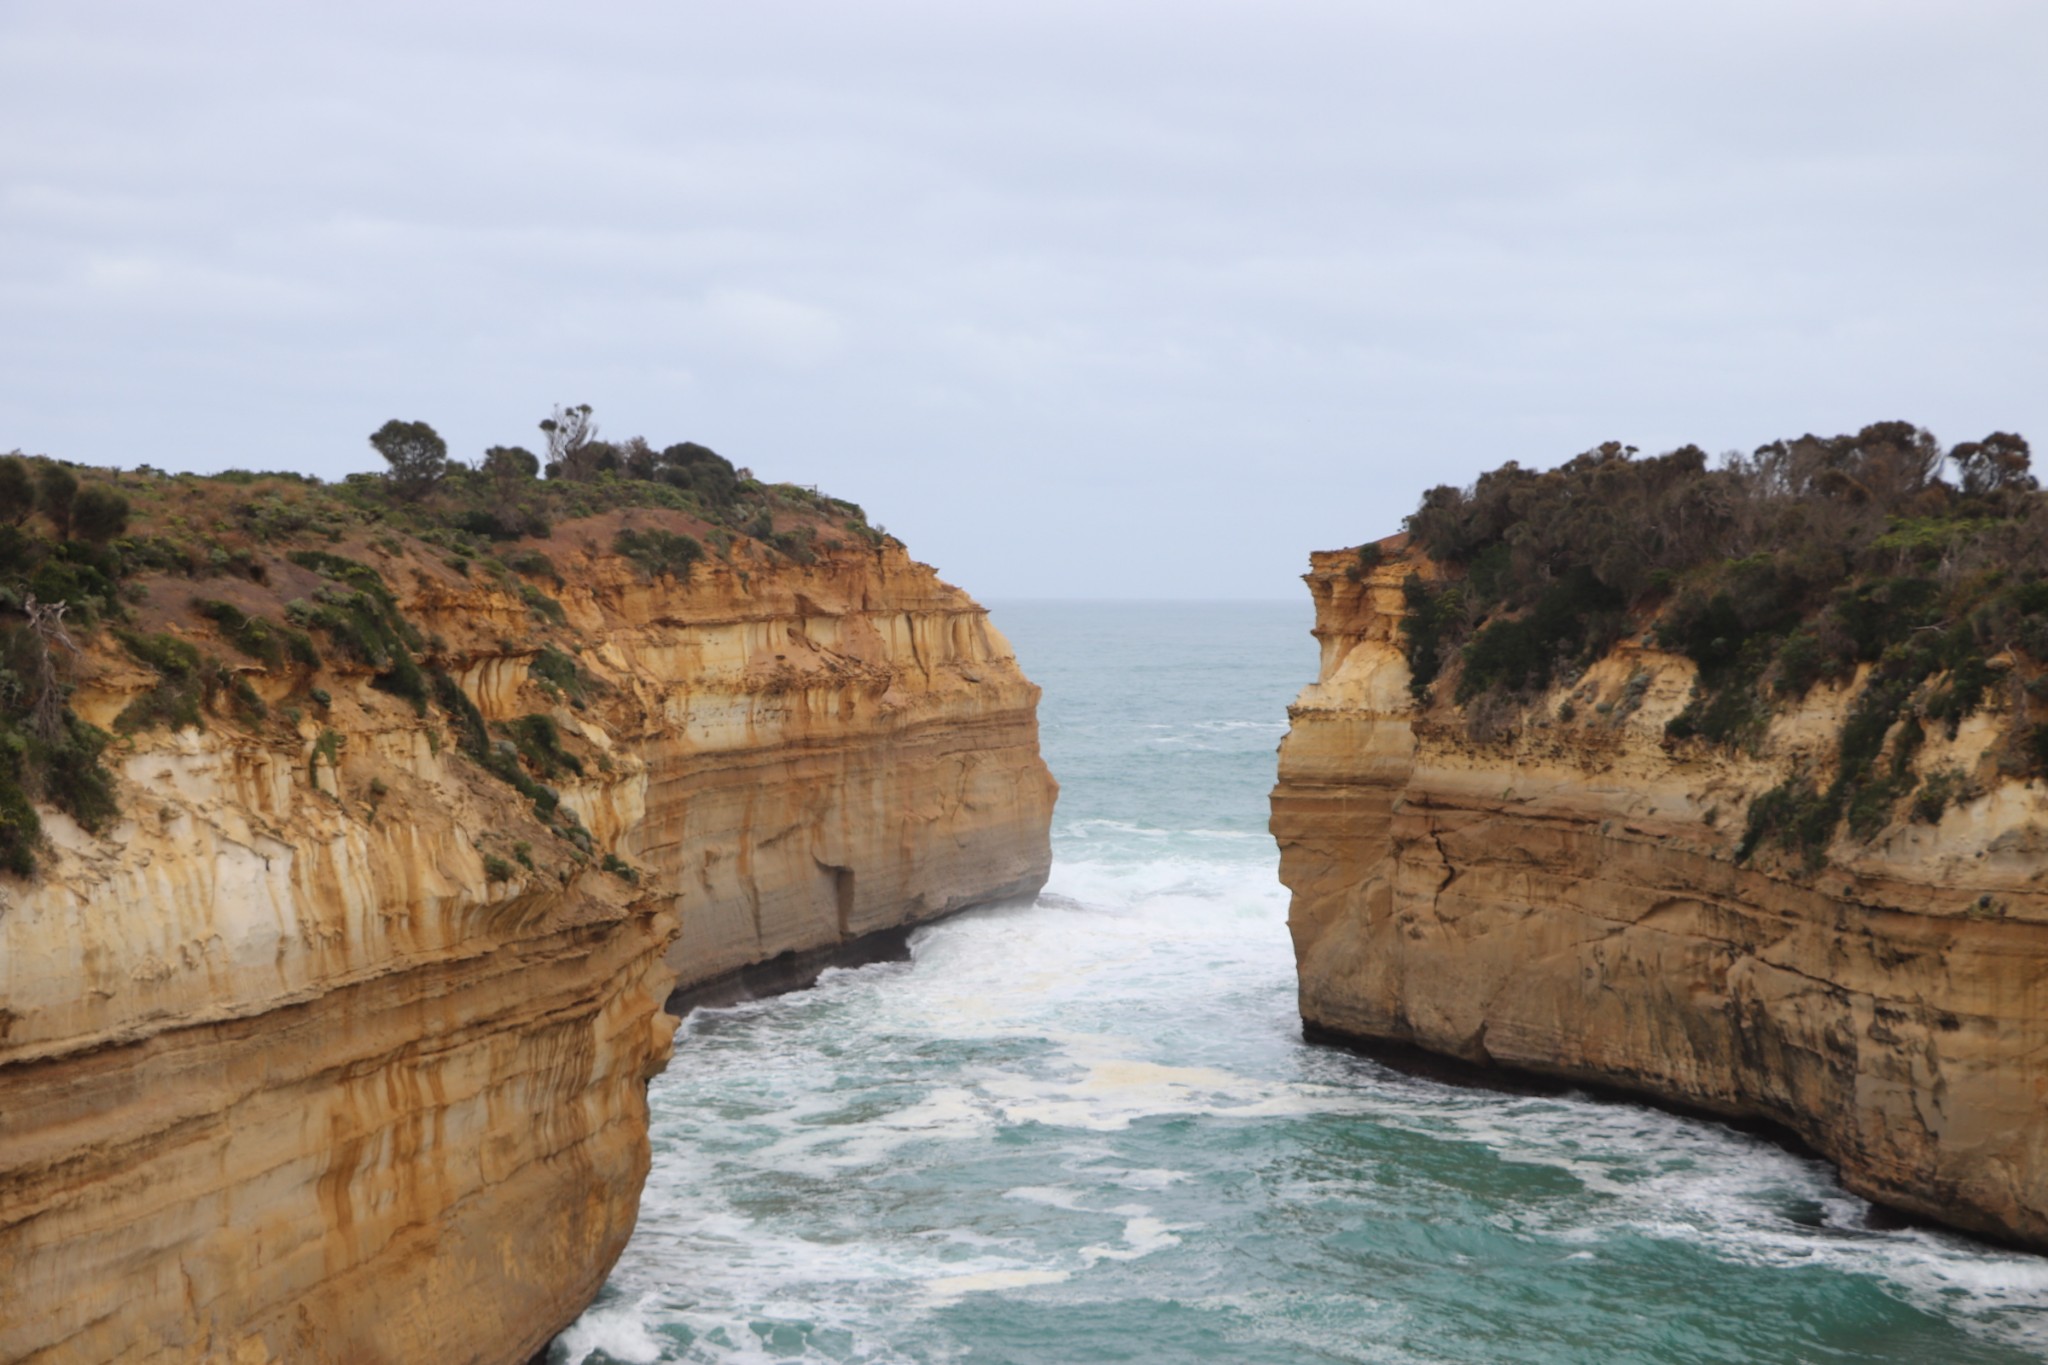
(331, 1051)
(1566, 900)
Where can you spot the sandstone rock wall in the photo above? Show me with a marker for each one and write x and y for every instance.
(286, 1074)
(1567, 901)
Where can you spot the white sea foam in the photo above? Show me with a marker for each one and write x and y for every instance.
(619, 1331)
(1052, 1196)
(1112, 1095)
(1143, 1235)
(950, 1289)
(1103, 1099)
(1154, 1179)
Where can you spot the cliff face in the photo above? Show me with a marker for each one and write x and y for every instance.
(1567, 900)
(329, 1049)
(822, 755)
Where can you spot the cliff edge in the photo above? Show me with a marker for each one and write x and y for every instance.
(1687, 863)
(327, 1011)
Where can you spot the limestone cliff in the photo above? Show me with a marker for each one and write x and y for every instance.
(334, 1045)
(1570, 896)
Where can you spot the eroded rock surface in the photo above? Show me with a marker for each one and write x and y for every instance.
(303, 1060)
(1567, 901)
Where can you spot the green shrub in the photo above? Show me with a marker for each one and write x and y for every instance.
(56, 492)
(496, 869)
(362, 620)
(66, 770)
(91, 592)
(179, 698)
(470, 735)
(1430, 614)
(557, 674)
(1938, 791)
(357, 625)
(1926, 540)
(1912, 734)
(799, 544)
(658, 552)
(404, 680)
(327, 747)
(1791, 815)
(540, 743)
(20, 828)
(99, 514)
(1802, 661)
(1885, 611)
(1871, 805)
(1368, 558)
(1729, 714)
(1574, 618)
(502, 758)
(533, 564)
(1877, 708)
(17, 489)
(342, 569)
(2035, 748)
(542, 605)
(1964, 691)
(249, 705)
(252, 635)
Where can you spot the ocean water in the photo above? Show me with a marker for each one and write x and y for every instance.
(1088, 1129)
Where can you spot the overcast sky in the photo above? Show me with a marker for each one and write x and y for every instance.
(1082, 300)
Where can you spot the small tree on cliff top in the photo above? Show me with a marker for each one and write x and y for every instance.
(572, 438)
(98, 514)
(416, 453)
(56, 488)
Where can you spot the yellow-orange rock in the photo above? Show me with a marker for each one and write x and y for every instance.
(1567, 901)
(286, 1075)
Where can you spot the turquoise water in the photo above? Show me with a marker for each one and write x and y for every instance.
(1088, 1129)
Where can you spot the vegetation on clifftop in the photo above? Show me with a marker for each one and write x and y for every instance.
(1877, 555)
(97, 558)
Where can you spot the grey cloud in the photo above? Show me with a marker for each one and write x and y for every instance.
(1134, 299)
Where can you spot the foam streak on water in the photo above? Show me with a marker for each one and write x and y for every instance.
(1088, 1129)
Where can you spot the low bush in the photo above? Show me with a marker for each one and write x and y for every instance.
(1573, 619)
(533, 564)
(1938, 791)
(179, 698)
(542, 605)
(558, 675)
(658, 552)
(540, 743)
(1431, 615)
(1792, 815)
(257, 638)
